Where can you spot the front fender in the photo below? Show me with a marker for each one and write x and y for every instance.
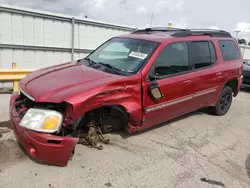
(128, 97)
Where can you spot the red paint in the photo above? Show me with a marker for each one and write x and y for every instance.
(175, 87)
(32, 152)
(85, 88)
(36, 143)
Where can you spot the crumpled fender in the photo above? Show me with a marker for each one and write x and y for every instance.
(124, 94)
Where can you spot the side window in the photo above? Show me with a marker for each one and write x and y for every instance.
(229, 50)
(202, 54)
(172, 60)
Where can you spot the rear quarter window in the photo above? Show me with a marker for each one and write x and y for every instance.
(229, 50)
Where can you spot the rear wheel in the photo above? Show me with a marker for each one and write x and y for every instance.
(224, 102)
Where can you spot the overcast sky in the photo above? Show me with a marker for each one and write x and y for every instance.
(222, 14)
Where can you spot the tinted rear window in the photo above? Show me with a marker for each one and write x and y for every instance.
(202, 54)
(229, 50)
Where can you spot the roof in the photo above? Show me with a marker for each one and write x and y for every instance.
(160, 34)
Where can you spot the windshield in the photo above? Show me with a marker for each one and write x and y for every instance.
(123, 54)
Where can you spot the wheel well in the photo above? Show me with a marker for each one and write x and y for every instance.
(117, 111)
(233, 84)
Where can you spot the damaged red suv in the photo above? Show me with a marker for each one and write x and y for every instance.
(131, 82)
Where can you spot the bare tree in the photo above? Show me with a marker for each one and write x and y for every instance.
(242, 41)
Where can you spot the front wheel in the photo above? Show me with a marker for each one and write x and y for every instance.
(223, 104)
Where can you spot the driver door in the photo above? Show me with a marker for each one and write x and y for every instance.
(171, 75)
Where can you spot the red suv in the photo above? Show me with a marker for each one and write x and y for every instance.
(131, 82)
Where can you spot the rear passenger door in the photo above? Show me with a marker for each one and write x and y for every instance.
(203, 59)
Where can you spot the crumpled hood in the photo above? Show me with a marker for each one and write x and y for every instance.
(62, 82)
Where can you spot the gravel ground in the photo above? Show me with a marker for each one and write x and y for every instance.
(195, 151)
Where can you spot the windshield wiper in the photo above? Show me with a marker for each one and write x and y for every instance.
(114, 69)
(91, 62)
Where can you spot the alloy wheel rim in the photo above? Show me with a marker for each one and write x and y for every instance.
(225, 101)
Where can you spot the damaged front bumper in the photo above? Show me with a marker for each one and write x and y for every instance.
(43, 147)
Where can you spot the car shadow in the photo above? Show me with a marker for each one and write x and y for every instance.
(247, 165)
(126, 135)
(5, 124)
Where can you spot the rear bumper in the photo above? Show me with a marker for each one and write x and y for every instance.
(38, 145)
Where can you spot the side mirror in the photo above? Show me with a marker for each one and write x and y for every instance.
(155, 91)
(153, 77)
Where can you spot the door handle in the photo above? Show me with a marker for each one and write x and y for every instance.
(187, 82)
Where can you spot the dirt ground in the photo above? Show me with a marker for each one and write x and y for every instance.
(195, 151)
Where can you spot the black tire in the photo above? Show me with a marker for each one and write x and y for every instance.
(224, 103)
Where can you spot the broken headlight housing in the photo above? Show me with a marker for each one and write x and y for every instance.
(41, 120)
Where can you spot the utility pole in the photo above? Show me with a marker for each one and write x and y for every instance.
(237, 34)
(152, 17)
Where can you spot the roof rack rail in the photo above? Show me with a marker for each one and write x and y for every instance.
(210, 32)
(163, 29)
(179, 32)
(200, 29)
